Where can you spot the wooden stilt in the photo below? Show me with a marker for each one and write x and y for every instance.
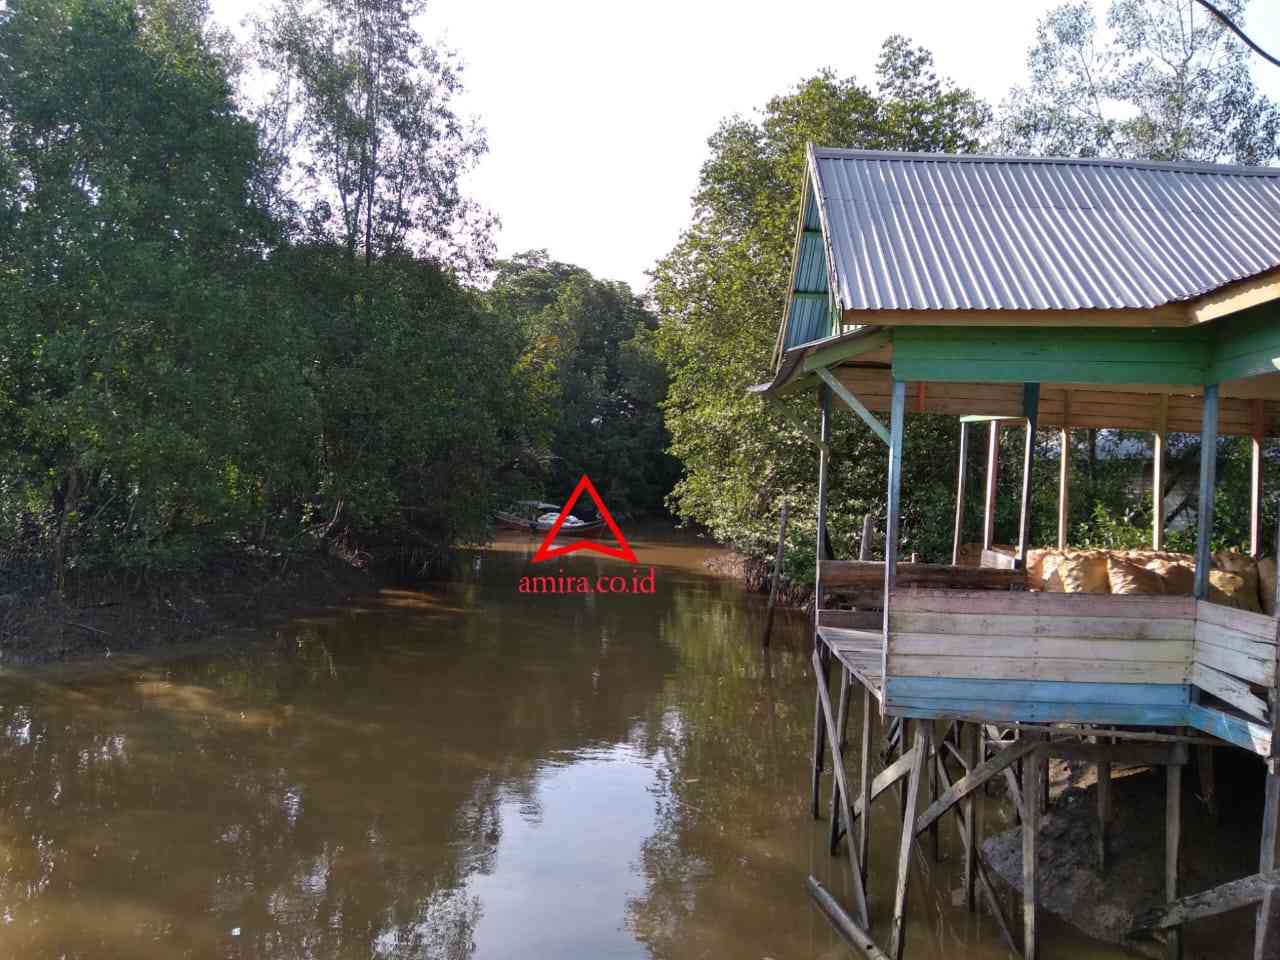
(1064, 472)
(993, 470)
(935, 850)
(1267, 944)
(824, 452)
(1031, 773)
(1104, 814)
(970, 746)
(902, 787)
(868, 533)
(821, 659)
(919, 753)
(853, 934)
(1208, 782)
(1172, 850)
(864, 784)
(842, 724)
(1267, 933)
(777, 574)
(957, 538)
(842, 804)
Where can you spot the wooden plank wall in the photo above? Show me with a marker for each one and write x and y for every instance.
(1090, 406)
(1039, 656)
(1235, 653)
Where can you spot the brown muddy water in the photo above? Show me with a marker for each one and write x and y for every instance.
(458, 772)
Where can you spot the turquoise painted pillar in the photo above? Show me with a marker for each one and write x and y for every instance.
(1208, 480)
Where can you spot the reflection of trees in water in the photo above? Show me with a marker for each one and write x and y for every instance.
(735, 735)
(326, 797)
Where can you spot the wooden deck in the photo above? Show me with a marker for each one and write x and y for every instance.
(861, 651)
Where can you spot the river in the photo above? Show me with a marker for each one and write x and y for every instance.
(462, 771)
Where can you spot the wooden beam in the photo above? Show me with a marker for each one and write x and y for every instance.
(1135, 754)
(1064, 472)
(893, 500)
(919, 754)
(1172, 851)
(972, 781)
(969, 817)
(993, 467)
(855, 346)
(1235, 297)
(958, 534)
(1172, 315)
(869, 573)
(1031, 773)
(854, 935)
(1208, 479)
(1157, 471)
(824, 453)
(1209, 903)
(1255, 499)
(1031, 407)
(864, 783)
(853, 403)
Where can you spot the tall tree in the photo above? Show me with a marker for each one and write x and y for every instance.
(721, 290)
(1165, 80)
(367, 146)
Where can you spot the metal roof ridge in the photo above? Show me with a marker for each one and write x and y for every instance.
(1167, 166)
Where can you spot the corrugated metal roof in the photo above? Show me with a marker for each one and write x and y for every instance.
(939, 232)
(810, 309)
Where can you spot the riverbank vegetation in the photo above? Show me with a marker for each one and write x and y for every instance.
(236, 332)
(1160, 79)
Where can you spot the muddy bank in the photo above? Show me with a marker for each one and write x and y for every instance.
(1214, 851)
(104, 618)
(755, 575)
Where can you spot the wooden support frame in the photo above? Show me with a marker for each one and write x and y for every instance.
(893, 502)
(1256, 439)
(1157, 471)
(993, 468)
(1064, 472)
(958, 536)
(1208, 477)
(853, 403)
(1032, 771)
(1030, 405)
(824, 454)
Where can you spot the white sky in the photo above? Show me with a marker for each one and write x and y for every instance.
(598, 112)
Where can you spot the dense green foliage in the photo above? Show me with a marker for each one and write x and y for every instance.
(721, 291)
(589, 370)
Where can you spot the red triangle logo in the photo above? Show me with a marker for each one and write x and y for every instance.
(622, 551)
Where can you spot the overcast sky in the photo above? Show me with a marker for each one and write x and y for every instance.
(598, 112)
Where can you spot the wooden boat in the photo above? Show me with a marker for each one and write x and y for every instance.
(536, 517)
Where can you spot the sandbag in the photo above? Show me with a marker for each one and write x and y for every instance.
(1236, 581)
(1178, 577)
(1128, 577)
(1082, 571)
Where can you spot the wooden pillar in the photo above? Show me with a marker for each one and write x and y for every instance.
(1157, 471)
(1172, 850)
(893, 499)
(1104, 814)
(921, 750)
(958, 537)
(1258, 433)
(864, 785)
(1064, 472)
(1032, 770)
(1031, 408)
(970, 745)
(819, 728)
(868, 531)
(1208, 481)
(993, 468)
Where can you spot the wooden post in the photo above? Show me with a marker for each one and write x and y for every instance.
(934, 744)
(1031, 408)
(1267, 944)
(970, 747)
(958, 537)
(1031, 773)
(1172, 849)
(868, 532)
(777, 573)
(842, 743)
(921, 751)
(893, 499)
(864, 785)
(1064, 473)
(1104, 814)
(1157, 472)
(819, 730)
(1208, 781)
(993, 469)
(1208, 480)
(1255, 500)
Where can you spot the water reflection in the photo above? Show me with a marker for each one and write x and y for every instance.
(447, 774)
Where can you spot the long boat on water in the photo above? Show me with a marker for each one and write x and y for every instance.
(534, 516)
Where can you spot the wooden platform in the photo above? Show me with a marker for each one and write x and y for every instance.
(861, 651)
